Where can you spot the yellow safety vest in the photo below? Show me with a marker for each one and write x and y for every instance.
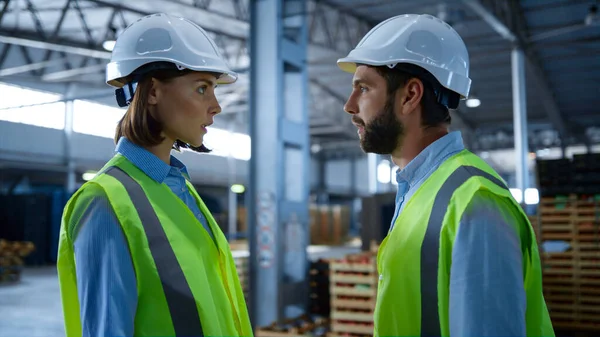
(187, 282)
(414, 259)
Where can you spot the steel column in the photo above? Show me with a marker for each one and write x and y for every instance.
(353, 187)
(279, 167)
(520, 120)
(372, 162)
(68, 141)
(232, 197)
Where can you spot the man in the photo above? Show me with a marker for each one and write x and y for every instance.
(460, 258)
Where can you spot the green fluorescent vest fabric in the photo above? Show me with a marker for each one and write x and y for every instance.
(187, 282)
(414, 259)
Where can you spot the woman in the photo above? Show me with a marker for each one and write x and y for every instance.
(139, 252)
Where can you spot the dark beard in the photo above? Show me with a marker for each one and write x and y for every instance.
(383, 133)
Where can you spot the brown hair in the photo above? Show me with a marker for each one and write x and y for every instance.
(138, 125)
(433, 113)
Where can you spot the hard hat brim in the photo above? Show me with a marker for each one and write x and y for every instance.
(117, 73)
(451, 81)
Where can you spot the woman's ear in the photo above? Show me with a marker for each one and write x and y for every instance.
(154, 92)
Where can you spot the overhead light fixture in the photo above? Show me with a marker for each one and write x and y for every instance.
(384, 172)
(473, 102)
(89, 175)
(315, 148)
(238, 188)
(111, 38)
(517, 194)
(532, 196)
(109, 45)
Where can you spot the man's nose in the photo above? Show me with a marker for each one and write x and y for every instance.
(350, 106)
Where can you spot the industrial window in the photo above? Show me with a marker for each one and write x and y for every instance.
(33, 107)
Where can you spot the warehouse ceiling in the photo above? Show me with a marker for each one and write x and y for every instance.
(58, 46)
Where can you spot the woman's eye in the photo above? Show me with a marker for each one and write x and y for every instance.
(202, 90)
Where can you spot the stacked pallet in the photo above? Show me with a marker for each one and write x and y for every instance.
(571, 277)
(534, 220)
(319, 295)
(353, 288)
(11, 258)
(303, 326)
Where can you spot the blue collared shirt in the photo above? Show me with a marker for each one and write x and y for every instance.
(106, 281)
(487, 296)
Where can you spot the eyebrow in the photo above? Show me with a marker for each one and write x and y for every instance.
(358, 81)
(209, 82)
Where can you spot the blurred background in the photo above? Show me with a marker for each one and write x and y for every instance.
(287, 170)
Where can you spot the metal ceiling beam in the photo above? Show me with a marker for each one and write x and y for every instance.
(211, 21)
(67, 74)
(29, 67)
(4, 9)
(511, 25)
(335, 32)
(491, 19)
(36, 42)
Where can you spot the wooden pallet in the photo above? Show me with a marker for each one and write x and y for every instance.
(353, 283)
(302, 326)
(571, 279)
(319, 293)
(12, 254)
(347, 334)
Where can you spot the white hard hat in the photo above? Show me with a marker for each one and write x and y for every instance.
(421, 40)
(165, 38)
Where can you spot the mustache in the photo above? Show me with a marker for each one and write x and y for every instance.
(358, 121)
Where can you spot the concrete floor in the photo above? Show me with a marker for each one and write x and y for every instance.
(31, 307)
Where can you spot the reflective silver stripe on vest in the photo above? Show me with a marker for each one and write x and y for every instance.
(182, 306)
(430, 320)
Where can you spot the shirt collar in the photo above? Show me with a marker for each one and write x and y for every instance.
(430, 158)
(146, 161)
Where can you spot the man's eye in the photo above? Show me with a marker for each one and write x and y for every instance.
(363, 89)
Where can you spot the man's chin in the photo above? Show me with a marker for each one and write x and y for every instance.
(366, 148)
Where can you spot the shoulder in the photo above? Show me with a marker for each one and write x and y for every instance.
(89, 204)
(484, 202)
(489, 216)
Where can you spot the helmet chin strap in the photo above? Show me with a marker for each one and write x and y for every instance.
(124, 95)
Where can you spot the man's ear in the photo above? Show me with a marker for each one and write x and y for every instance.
(153, 94)
(410, 95)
